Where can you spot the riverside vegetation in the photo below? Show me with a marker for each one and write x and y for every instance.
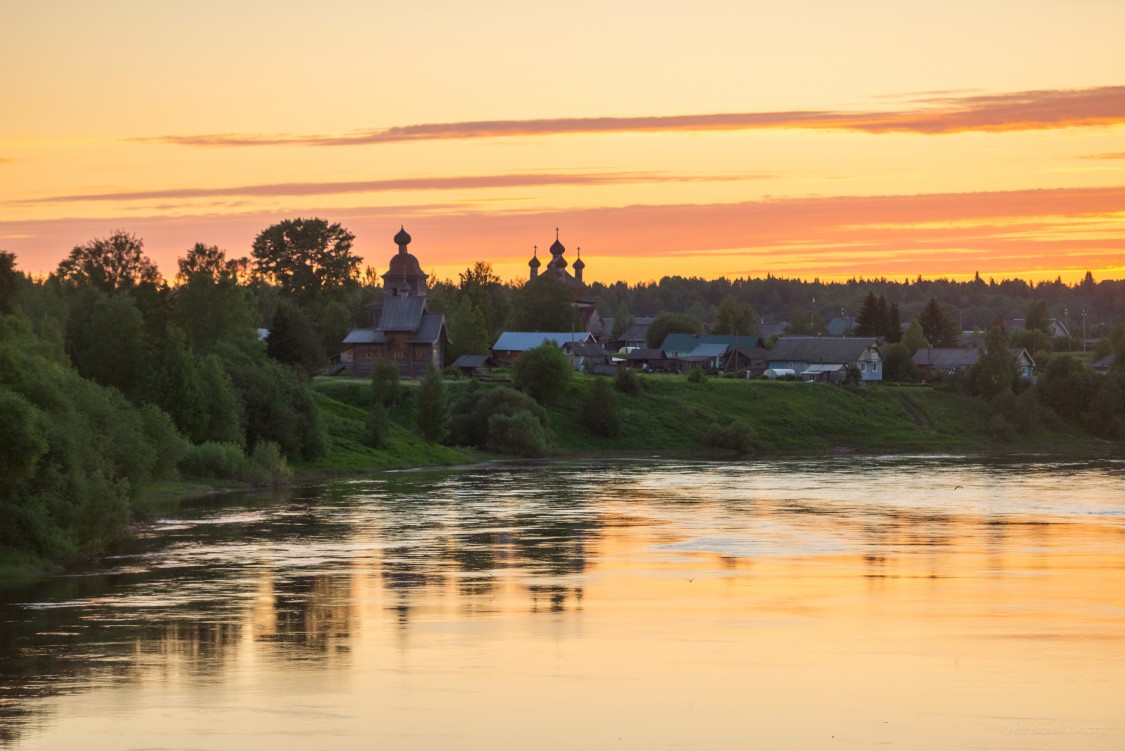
(118, 393)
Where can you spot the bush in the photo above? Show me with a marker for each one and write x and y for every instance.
(733, 437)
(597, 412)
(378, 423)
(696, 376)
(224, 461)
(385, 388)
(1000, 429)
(627, 381)
(542, 372)
(267, 464)
(432, 413)
(472, 424)
(520, 434)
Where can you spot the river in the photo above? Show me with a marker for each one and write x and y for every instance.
(837, 602)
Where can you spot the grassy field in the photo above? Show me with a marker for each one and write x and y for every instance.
(671, 414)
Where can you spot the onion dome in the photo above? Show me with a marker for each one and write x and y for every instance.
(534, 262)
(404, 273)
(557, 248)
(579, 264)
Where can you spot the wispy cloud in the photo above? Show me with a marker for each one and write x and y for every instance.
(1111, 155)
(1014, 111)
(403, 184)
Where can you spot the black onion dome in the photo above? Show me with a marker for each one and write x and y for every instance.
(578, 262)
(534, 262)
(557, 248)
(402, 237)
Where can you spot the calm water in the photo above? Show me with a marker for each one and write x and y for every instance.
(830, 603)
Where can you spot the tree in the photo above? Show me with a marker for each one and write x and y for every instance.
(9, 282)
(894, 324)
(432, 415)
(1037, 318)
(544, 304)
(468, 331)
(938, 328)
(995, 372)
(293, 340)
(305, 256)
(736, 319)
(111, 263)
(106, 341)
(488, 295)
(597, 412)
(914, 339)
(211, 261)
(868, 322)
(671, 323)
(898, 363)
(213, 311)
(384, 382)
(798, 322)
(542, 373)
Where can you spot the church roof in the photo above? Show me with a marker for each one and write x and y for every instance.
(402, 313)
(429, 329)
(365, 336)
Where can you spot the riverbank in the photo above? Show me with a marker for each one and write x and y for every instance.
(669, 416)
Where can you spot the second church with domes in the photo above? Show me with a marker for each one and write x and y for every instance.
(556, 268)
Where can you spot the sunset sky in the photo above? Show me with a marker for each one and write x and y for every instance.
(812, 138)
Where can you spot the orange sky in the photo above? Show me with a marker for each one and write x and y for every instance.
(716, 138)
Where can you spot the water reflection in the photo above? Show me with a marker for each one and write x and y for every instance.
(336, 580)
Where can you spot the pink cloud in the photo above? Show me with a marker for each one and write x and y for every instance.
(1024, 110)
(379, 186)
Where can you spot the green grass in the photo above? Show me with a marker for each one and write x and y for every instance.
(782, 416)
(670, 414)
(346, 427)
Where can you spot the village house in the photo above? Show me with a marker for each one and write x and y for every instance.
(474, 365)
(826, 358)
(401, 329)
(950, 360)
(717, 352)
(579, 346)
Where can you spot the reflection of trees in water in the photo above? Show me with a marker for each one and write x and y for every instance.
(187, 592)
(477, 526)
(53, 651)
(313, 613)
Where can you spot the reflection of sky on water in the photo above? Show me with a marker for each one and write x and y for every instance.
(502, 557)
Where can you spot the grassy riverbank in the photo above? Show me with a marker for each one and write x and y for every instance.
(671, 415)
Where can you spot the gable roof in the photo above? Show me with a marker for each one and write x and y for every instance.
(645, 354)
(520, 341)
(587, 349)
(365, 336)
(685, 343)
(429, 329)
(471, 361)
(709, 350)
(402, 313)
(946, 358)
(822, 349)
